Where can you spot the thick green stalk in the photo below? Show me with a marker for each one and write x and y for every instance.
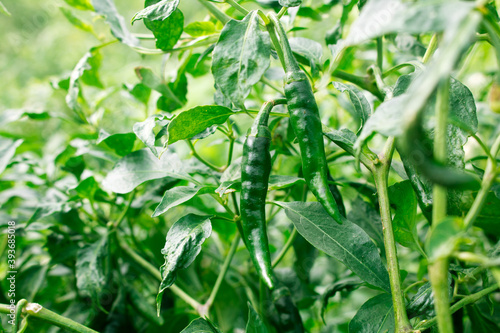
(35, 310)
(438, 270)
(380, 173)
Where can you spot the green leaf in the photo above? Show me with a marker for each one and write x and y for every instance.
(276, 182)
(145, 131)
(200, 28)
(158, 11)
(200, 325)
(80, 4)
(174, 93)
(308, 49)
(343, 138)
(88, 188)
(404, 202)
(290, 3)
(140, 91)
(91, 269)
(368, 218)
(11, 115)
(241, 57)
(142, 305)
(167, 31)
(3, 9)
(346, 242)
(7, 151)
(489, 216)
(358, 99)
(121, 143)
(255, 324)
(178, 195)
(376, 315)
(443, 238)
(194, 121)
(116, 22)
(182, 245)
(480, 322)
(75, 21)
(141, 166)
(422, 304)
(380, 18)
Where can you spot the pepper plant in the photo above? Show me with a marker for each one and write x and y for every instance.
(258, 166)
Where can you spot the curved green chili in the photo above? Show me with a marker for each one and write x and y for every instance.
(306, 123)
(255, 171)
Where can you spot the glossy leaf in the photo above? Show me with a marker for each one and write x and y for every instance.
(116, 22)
(346, 242)
(178, 195)
(194, 121)
(182, 245)
(91, 268)
(121, 143)
(358, 99)
(380, 18)
(255, 324)
(157, 11)
(144, 131)
(7, 150)
(422, 304)
(200, 28)
(344, 137)
(141, 166)
(404, 202)
(240, 58)
(200, 325)
(376, 315)
(308, 49)
(167, 31)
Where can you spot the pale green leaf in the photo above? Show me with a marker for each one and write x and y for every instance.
(178, 195)
(7, 150)
(157, 10)
(358, 99)
(200, 28)
(116, 22)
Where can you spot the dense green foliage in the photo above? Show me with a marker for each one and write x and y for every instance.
(365, 197)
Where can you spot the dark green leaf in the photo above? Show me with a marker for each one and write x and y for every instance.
(404, 202)
(346, 242)
(376, 315)
(422, 304)
(255, 324)
(182, 245)
(368, 218)
(380, 18)
(168, 30)
(480, 322)
(290, 3)
(91, 269)
(241, 57)
(173, 92)
(158, 11)
(198, 29)
(178, 195)
(140, 166)
(121, 143)
(358, 99)
(200, 325)
(489, 216)
(194, 121)
(116, 22)
(7, 150)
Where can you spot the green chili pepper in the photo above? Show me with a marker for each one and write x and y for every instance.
(255, 171)
(306, 123)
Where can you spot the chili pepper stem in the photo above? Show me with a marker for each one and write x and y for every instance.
(380, 173)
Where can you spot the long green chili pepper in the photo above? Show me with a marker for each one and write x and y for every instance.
(255, 171)
(306, 123)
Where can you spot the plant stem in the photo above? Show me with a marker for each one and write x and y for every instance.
(216, 12)
(238, 7)
(125, 211)
(154, 272)
(224, 269)
(380, 173)
(490, 174)
(438, 270)
(458, 305)
(380, 52)
(285, 248)
(35, 310)
(430, 49)
(363, 82)
(201, 159)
